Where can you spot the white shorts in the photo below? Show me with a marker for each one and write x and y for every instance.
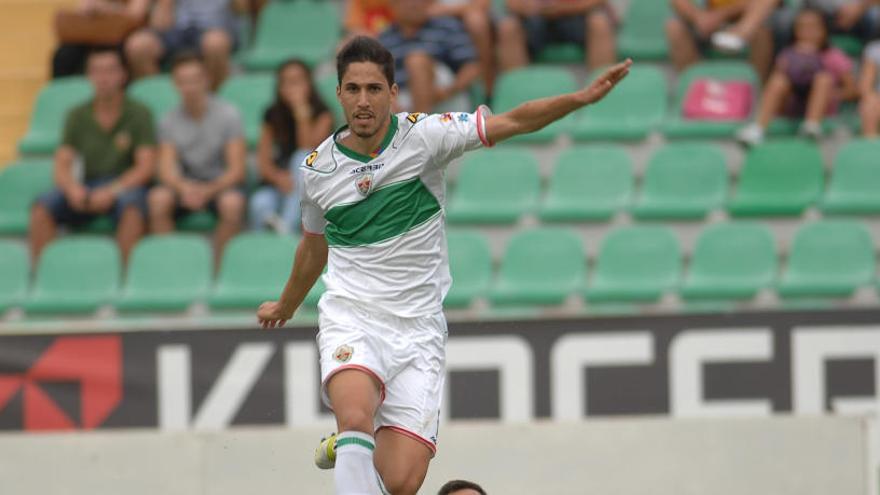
(406, 355)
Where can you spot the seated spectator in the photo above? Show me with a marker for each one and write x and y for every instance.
(115, 140)
(734, 38)
(691, 32)
(208, 26)
(809, 80)
(869, 88)
(533, 25)
(201, 157)
(435, 59)
(93, 23)
(293, 125)
(367, 17)
(477, 18)
(461, 487)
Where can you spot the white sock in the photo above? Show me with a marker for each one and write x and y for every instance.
(354, 473)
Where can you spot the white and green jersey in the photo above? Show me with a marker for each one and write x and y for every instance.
(383, 214)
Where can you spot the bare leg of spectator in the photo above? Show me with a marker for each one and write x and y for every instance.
(230, 210)
(217, 48)
(682, 48)
(775, 92)
(762, 52)
(420, 67)
(817, 104)
(601, 48)
(160, 203)
(41, 231)
(869, 110)
(479, 26)
(757, 12)
(143, 50)
(512, 51)
(129, 231)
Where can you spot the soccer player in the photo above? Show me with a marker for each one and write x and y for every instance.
(373, 196)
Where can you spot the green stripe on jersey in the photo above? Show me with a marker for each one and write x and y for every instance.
(386, 213)
(342, 442)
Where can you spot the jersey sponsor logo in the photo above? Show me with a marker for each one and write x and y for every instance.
(463, 117)
(364, 183)
(446, 118)
(343, 353)
(373, 167)
(414, 117)
(310, 160)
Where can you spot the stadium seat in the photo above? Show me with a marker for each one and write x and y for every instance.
(251, 94)
(305, 30)
(540, 267)
(14, 273)
(166, 273)
(778, 178)
(245, 279)
(75, 274)
(683, 181)
(635, 108)
(495, 186)
(731, 261)
(50, 112)
(520, 85)
(830, 258)
(20, 184)
(326, 87)
(643, 35)
(560, 53)
(199, 221)
(156, 92)
(855, 180)
(588, 183)
(677, 126)
(470, 264)
(635, 264)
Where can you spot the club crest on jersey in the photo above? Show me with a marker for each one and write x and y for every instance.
(343, 353)
(364, 183)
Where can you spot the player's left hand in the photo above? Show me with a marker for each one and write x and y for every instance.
(603, 84)
(272, 315)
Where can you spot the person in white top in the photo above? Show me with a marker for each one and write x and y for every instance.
(373, 206)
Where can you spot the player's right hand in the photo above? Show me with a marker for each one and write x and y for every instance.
(272, 315)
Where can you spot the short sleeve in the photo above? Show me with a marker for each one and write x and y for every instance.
(144, 130)
(313, 221)
(233, 127)
(449, 135)
(837, 62)
(166, 128)
(71, 124)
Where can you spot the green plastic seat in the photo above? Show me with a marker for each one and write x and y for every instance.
(254, 268)
(561, 53)
(683, 181)
(305, 30)
(20, 184)
(588, 183)
(855, 181)
(528, 83)
(635, 108)
(166, 273)
(157, 93)
(643, 35)
(636, 264)
(14, 273)
(495, 186)
(731, 261)
(251, 94)
(830, 258)
(470, 264)
(75, 274)
(540, 267)
(778, 178)
(676, 126)
(50, 112)
(326, 87)
(199, 221)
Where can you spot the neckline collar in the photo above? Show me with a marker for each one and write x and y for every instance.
(386, 141)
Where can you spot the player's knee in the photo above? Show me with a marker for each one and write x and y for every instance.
(355, 419)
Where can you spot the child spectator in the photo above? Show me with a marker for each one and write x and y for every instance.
(809, 80)
(293, 125)
(869, 88)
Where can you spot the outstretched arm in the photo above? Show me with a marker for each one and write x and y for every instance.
(311, 256)
(534, 115)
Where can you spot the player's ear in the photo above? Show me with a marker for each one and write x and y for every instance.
(394, 91)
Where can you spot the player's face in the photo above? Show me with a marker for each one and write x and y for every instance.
(366, 98)
(106, 73)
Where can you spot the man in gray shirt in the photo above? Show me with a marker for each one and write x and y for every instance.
(201, 157)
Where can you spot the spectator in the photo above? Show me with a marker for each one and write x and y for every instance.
(93, 23)
(461, 487)
(477, 18)
(185, 25)
(809, 79)
(693, 28)
(201, 157)
(435, 57)
(367, 17)
(293, 125)
(869, 88)
(534, 24)
(115, 139)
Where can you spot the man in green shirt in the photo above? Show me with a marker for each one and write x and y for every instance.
(115, 139)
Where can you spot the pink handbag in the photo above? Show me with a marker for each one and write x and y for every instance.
(711, 99)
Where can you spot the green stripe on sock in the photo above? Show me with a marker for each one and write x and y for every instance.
(342, 442)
